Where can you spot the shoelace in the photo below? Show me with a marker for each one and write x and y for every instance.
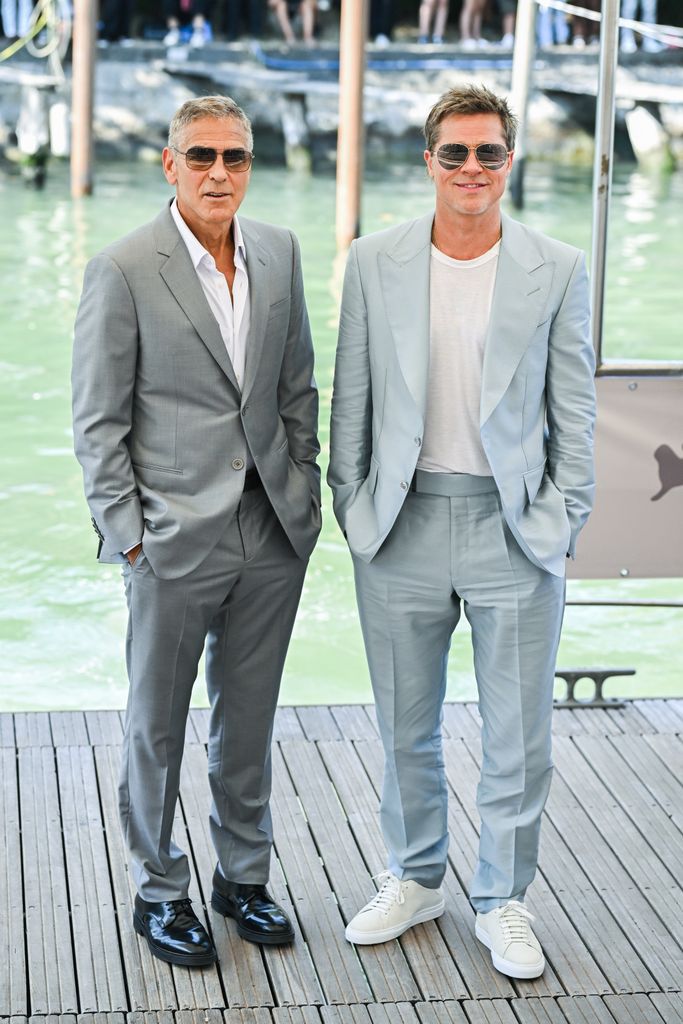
(390, 892)
(514, 921)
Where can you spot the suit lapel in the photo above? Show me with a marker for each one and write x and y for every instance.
(522, 283)
(181, 278)
(404, 273)
(259, 302)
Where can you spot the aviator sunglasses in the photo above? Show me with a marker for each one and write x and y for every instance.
(490, 155)
(201, 158)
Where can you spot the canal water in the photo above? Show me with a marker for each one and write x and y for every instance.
(62, 618)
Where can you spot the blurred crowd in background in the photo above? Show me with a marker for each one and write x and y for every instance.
(471, 24)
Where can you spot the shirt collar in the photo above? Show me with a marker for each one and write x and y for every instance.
(194, 246)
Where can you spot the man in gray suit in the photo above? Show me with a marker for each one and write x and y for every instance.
(462, 470)
(195, 415)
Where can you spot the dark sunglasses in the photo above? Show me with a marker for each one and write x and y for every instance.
(201, 158)
(490, 155)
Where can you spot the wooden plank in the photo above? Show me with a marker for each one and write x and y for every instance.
(241, 963)
(287, 725)
(566, 723)
(585, 1010)
(598, 721)
(13, 991)
(295, 1015)
(459, 723)
(631, 721)
(68, 729)
(99, 969)
(340, 974)
(318, 723)
(361, 804)
(149, 981)
(392, 1013)
(385, 966)
(669, 1005)
(627, 786)
(573, 968)
(206, 1016)
(97, 1018)
(345, 1015)
(104, 728)
(258, 1015)
(644, 930)
(192, 734)
(32, 729)
(537, 1011)
(635, 1009)
(489, 1011)
(663, 777)
(354, 723)
(448, 1012)
(200, 723)
(661, 715)
(447, 942)
(638, 856)
(7, 730)
(51, 975)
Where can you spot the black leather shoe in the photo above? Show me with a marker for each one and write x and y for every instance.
(174, 933)
(259, 918)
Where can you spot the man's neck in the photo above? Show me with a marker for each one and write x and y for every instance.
(465, 238)
(218, 240)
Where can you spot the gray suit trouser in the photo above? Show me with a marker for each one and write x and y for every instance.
(241, 602)
(444, 551)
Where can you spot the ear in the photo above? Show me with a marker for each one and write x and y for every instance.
(511, 157)
(428, 160)
(169, 165)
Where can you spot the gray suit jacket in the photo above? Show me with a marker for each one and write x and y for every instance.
(537, 401)
(160, 426)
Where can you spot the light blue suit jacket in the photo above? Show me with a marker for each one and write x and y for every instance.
(537, 400)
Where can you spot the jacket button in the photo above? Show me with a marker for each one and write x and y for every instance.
(237, 463)
(418, 440)
(404, 485)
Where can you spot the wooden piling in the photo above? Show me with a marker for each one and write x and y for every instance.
(350, 135)
(83, 62)
(522, 64)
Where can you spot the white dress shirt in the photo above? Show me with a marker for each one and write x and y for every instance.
(232, 314)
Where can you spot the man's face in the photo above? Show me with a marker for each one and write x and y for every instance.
(469, 190)
(209, 198)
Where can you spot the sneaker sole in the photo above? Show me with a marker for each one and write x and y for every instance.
(508, 967)
(180, 959)
(222, 907)
(359, 938)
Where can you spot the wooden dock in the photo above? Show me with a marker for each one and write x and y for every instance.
(607, 899)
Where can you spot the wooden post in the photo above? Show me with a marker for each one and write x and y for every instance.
(82, 84)
(522, 63)
(352, 34)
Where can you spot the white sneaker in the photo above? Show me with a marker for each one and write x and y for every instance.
(172, 37)
(508, 41)
(396, 907)
(515, 950)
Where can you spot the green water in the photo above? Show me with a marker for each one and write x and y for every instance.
(62, 619)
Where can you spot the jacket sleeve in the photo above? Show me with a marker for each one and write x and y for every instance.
(297, 391)
(570, 395)
(103, 383)
(351, 424)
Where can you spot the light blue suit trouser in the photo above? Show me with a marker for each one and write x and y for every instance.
(443, 551)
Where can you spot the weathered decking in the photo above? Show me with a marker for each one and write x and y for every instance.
(608, 901)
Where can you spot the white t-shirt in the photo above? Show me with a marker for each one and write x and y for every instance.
(460, 295)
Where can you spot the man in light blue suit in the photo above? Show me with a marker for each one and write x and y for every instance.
(461, 461)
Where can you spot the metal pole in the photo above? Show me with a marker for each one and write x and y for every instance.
(522, 64)
(83, 77)
(602, 167)
(352, 33)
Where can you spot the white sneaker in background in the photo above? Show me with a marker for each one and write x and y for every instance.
(172, 37)
(515, 950)
(508, 41)
(397, 906)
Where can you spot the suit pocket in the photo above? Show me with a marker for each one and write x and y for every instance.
(532, 480)
(371, 479)
(158, 469)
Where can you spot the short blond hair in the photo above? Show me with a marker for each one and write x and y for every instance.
(470, 99)
(221, 107)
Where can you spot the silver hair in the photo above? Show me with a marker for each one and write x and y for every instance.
(221, 107)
